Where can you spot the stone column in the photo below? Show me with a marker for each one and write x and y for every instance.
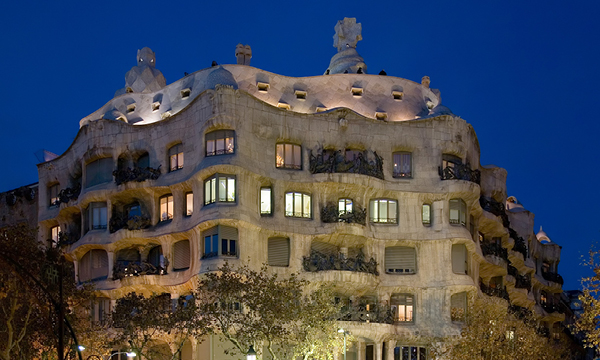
(111, 263)
(377, 350)
(391, 344)
(361, 348)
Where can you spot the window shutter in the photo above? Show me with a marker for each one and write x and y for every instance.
(279, 252)
(228, 232)
(211, 231)
(99, 264)
(400, 259)
(181, 255)
(324, 248)
(459, 301)
(84, 266)
(459, 259)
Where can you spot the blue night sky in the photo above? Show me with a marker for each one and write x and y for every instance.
(523, 73)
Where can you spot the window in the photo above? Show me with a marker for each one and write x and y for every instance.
(458, 306)
(402, 306)
(219, 188)
(384, 211)
(143, 161)
(279, 252)
(157, 259)
(458, 212)
(96, 216)
(181, 255)
(297, 205)
(400, 260)
(98, 172)
(189, 204)
(134, 210)
(459, 259)
(53, 199)
(54, 236)
(345, 207)
(176, 157)
(410, 353)
(450, 161)
(426, 214)
(220, 240)
(220, 142)
(100, 309)
(166, 207)
(266, 201)
(289, 156)
(93, 265)
(402, 165)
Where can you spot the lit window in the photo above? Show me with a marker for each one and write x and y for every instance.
(219, 188)
(98, 172)
(166, 208)
(189, 204)
(297, 205)
(96, 216)
(402, 306)
(266, 202)
(289, 156)
(458, 212)
(345, 206)
(426, 214)
(450, 161)
(176, 157)
(54, 235)
(402, 165)
(400, 260)
(384, 211)
(220, 240)
(220, 142)
(53, 199)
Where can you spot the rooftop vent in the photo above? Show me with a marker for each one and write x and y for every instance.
(300, 95)
(155, 106)
(398, 95)
(185, 93)
(321, 109)
(283, 105)
(380, 115)
(130, 108)
(262, 87)
(356, 91)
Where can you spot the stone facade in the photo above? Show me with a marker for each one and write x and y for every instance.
(438, 225)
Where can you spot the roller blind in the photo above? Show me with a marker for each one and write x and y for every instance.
(324, 248)
(181, 255)
(228, 232)
(93, 265)
(400, 259)
(279, 252)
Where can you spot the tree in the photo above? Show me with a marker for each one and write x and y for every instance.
(30, 282)
(139, 321)
(491, 331)
(255, 308)
(588, 323)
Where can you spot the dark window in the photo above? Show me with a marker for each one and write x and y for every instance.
(98, 172)
(53, 199)
(402, 165)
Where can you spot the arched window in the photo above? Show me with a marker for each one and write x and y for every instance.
(93, 265)
(220, 142)
(176, 157)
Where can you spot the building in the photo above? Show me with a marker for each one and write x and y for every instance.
(366, 182)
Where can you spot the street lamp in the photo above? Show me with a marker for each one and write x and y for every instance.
(251, 355)
(342, 331)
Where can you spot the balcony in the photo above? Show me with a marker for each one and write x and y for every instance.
(364, 162)
(137, 174)
(497, 208)
(67, 194)
(322, 262)
(494, 291)
(68, 238)
(138, 268)
(554, 277)
(460, 172)
(551, 308)
(521, 281)
(495, 250)
(367, 313)
(331, 214)
(120, 221)
(520, 245)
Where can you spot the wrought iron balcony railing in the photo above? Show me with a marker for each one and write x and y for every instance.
(372, 313)
(494, 291)
(322, 262)
(334, 161)
(120, 221)
(494, 207)
(495, 250)
(122, 270)
(331, 214)
(136, 174)
(460, 172)
(554, 277)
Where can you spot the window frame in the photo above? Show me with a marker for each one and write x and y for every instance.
(53, 199)
(395, 270)
(215, 237)
(426, 218)
(462, 212)
(219, 135)
(303, 197)
(280, 163)
(189, 200)
(54, 237)
(90, 216)
(405, 304)
(343, 208)
(397, 171)
(216, 198)
(282, 241)
(95, 166)
(378, 219)
(270, 202)
(175, 152)
(160, 207)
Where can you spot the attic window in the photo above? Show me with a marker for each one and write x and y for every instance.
(301, 95)
(165, 115)
(130, 108)
(397, 95)
(356, 91)
(381, 115)
(284, 106)
(321, 109)
(185, 93)
(262, 87)
(155, 105)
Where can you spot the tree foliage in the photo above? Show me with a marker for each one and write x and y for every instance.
(29, 294)
(248, 307)
(588, 323)
(491, 331)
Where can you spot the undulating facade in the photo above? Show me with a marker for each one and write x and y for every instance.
(362, 181)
